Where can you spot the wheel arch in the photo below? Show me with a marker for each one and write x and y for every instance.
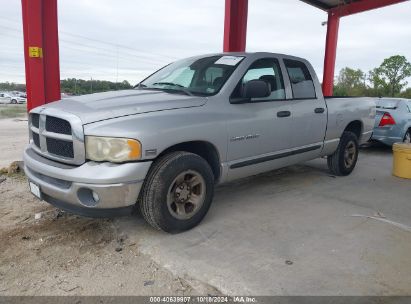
(407, 129)
(355, 127)
(205, 149)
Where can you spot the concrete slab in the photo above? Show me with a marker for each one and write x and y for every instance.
(297, 231)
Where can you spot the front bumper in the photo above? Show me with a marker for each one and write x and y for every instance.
(70, 187)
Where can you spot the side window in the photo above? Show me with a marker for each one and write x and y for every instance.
(302, 83)
(268, 70)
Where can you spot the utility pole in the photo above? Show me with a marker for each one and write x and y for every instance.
(117, 70)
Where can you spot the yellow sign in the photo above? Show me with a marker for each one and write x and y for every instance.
(35, 52)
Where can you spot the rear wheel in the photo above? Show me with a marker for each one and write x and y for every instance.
(178, 192)
(344, 159)
(13, 101)
(407, 137)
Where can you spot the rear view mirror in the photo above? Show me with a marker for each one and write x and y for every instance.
(256, 89)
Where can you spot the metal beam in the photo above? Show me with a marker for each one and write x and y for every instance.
(41, 51)
(235, 25)
(362, 6)
(318, 4)
(330, 53)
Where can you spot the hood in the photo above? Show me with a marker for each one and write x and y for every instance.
(102, 106)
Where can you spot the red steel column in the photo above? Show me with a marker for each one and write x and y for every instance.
(235, 25)
(41, 51)
(330, 53)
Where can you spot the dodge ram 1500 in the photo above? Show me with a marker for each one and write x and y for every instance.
(198, 122)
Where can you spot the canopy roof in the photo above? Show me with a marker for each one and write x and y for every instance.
(329, 4)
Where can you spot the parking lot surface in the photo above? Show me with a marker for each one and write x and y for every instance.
(298, 231)
(294, 231)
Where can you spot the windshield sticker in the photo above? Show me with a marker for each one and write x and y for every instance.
(229, 60)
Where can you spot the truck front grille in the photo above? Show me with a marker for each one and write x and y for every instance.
(60, 147)
(59, 138)
(35, 118)
(36, 139)
(58, 125)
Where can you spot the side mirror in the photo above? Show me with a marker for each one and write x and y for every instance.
(256, 89)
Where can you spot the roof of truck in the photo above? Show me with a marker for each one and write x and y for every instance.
(251, 54)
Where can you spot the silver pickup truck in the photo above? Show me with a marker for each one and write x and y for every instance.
(197, 122)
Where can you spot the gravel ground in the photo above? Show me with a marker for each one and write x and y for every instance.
(63, 254)
(13, 138)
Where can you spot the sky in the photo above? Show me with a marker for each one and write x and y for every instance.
(129, 39)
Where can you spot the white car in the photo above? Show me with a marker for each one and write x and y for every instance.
(10, 98)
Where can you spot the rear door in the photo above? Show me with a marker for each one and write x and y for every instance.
(308, 110)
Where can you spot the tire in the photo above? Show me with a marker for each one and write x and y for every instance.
(344, 159)
(168, 184)
(407, 137)
(13, 101)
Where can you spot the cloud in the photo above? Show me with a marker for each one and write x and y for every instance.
(129, 39)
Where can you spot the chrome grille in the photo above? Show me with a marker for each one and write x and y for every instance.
(35, 119)
(57, 135)
(60, 147)
(58, 125)
(36, 139)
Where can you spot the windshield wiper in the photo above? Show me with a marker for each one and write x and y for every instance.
(183, 88)
(169, 84)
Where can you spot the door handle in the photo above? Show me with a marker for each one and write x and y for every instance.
(284, 114)
(319, 110)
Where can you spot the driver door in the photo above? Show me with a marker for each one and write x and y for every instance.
(260, 127)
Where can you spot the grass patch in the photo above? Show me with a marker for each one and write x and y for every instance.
(18, 176)
(12, 111)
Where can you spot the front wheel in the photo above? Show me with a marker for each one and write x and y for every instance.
(343, 161)
(177, 192)
(13, 101)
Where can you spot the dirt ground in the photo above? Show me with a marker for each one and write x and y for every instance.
(14, 132)
(62, 254)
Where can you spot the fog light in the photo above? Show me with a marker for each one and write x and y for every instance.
(95, 197)
(88, 197)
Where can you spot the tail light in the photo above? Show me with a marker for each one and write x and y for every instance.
(386, 120)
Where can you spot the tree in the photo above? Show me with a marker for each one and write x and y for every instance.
(81, 87)
(389, 77)
(406, 93)
(11, 86)
(350, 82)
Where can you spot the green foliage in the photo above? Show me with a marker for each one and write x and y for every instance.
(389, 79)
(80, 87)
(11, 86)
(350, 83)
(406, 93)
(75, 86)
(391, 74)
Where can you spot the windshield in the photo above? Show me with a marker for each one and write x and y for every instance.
(195, 76)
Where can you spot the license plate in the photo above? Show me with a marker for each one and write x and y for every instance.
(35, 190)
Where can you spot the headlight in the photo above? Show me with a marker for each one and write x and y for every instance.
(112, 149)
